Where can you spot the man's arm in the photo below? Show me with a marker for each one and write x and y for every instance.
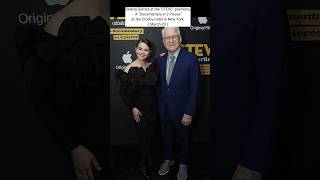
(194, 78)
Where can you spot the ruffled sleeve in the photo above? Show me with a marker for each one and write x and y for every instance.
(32, 42)
(74, 47)
(43, 50)
(126, 91)
(80, 50)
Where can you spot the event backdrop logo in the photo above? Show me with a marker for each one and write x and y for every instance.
(200, 24)
(34, 18)
(127, 58)
(56, 2)
(202, 20)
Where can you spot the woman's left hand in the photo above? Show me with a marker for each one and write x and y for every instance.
(136, 114)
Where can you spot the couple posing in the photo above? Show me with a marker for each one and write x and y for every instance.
(174, 81)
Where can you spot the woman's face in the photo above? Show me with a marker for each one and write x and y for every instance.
(142, 51)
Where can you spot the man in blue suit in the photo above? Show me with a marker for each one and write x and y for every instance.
(178, 91)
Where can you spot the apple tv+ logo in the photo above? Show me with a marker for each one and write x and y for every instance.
(127, 58)
(56, 2)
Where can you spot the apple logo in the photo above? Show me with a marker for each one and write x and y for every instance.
(127, 58)
(56, 2)
(202, 20)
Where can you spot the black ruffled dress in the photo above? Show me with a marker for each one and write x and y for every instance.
(68, 88)
(138, 89)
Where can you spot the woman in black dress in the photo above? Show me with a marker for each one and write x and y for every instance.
(138, 91)
(68, 88)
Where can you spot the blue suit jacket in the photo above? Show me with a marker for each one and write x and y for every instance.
(180, 96)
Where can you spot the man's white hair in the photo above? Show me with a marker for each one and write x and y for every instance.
(175, 28)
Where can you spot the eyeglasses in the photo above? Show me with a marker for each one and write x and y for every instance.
(174, 38)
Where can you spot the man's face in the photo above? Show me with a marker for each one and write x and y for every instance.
(171, 40)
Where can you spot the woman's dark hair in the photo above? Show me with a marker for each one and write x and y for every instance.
(146, 41)
(149, 44)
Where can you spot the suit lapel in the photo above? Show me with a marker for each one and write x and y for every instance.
(164, 67)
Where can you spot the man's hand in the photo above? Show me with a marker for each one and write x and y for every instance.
(186, 120)
(83, 161)
(136, 114)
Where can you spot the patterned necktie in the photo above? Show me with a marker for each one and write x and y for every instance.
(170, 68)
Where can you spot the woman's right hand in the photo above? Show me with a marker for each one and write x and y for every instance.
(136, 114)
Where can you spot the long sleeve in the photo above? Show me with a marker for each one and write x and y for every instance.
(194, 79)
(45, 100)
(124, 95)
(124, 91)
